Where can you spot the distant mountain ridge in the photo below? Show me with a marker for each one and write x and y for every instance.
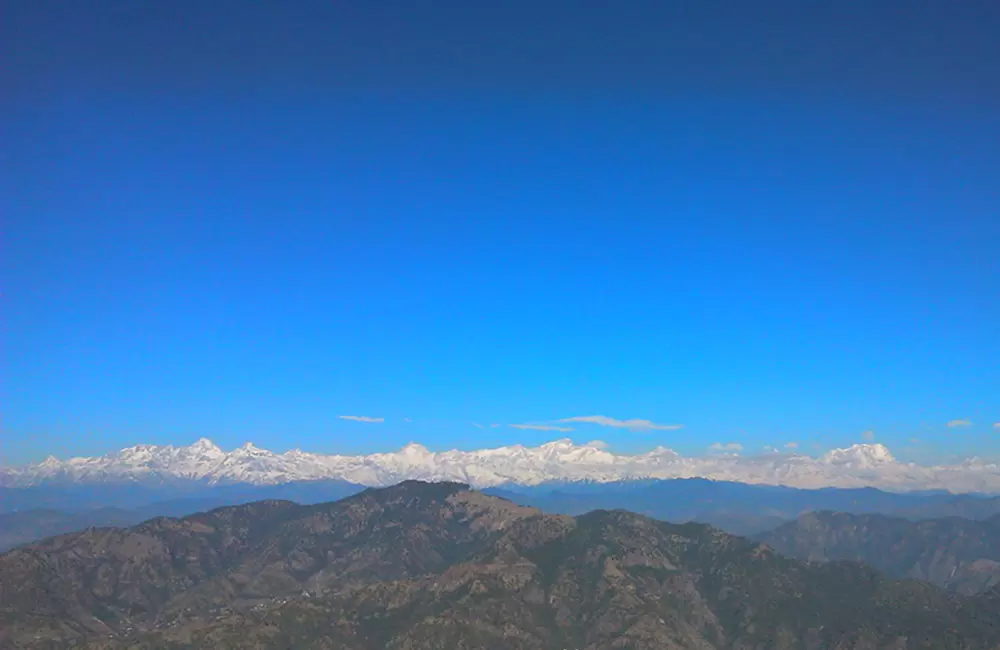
(422, 566)
(741, 508)
(960, 554)
(30, 514)
(737, 508)
(859, 465)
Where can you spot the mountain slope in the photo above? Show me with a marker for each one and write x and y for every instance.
(104, 580)
(958, 554)
(18, 528)
(29, 514)
(173, 499)
(422, 566)
(738, 508)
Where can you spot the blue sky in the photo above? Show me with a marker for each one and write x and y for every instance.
(771, 226)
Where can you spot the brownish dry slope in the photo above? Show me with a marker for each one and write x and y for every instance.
(421, 566)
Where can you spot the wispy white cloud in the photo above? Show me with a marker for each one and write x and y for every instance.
(791, 445)
(868, 435)
(634, 424)
(996, 425)
(960, 423)
(495, 426)
(407, 420)
(540, 427)
(728, 447)
(478, 426)
(914, 441)
(360, 418)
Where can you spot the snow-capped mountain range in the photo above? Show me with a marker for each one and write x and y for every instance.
(562, 460)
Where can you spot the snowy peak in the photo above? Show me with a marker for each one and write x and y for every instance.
(205, 447)
(415, 450)
(557, 461)
(861, 455)
(250, 449)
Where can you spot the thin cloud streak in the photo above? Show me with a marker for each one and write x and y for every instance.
(540, 427)
(634, 424)
(960, 423)
(361, 418)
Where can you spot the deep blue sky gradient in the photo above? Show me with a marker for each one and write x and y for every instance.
(769, 224)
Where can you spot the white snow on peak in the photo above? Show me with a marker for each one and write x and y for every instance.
(560, 460)
(867, 455)
(415, 449)
(250, 449)
(206, 447)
